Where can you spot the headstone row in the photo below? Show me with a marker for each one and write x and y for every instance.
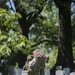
(18, 71)
(59, 71)
(65, 71)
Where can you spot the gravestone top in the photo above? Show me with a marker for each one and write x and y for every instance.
(66, 70)
(59, 72)
(58, 68)
(0, 73)
(72, 73)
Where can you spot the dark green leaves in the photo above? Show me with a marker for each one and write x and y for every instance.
(11, 40)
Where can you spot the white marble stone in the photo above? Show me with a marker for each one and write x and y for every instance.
(46, 71)
(0, 73)
(24, 73)
(59, 72)
(66, 71)
(15, 71)
(58, 68)
(72, 73)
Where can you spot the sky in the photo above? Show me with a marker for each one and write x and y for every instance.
(8, 3)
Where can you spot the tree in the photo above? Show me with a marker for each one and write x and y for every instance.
(65, 55)
(45, 30)
(29, 17)
(29, 13)
(65, 36)
(11, 40)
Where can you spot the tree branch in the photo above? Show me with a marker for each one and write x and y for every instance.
(41, 42)
(11, 6)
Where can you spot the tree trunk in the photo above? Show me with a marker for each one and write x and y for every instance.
(65, 55)
(24, 25)
(21, 58)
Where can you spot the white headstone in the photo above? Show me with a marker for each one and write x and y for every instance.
(73, 73)
(0, 73)
(58, 68)
(15, 71)
(46, 71)
(18, 71)
(25, 72)
(59, 72)
(66, 71)
(11, 70)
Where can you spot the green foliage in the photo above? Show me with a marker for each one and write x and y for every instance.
(53, 57)
(29, 5)
(11, 40)
(3, 4)
(73, 32)
(45, 28)
(74, 52)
